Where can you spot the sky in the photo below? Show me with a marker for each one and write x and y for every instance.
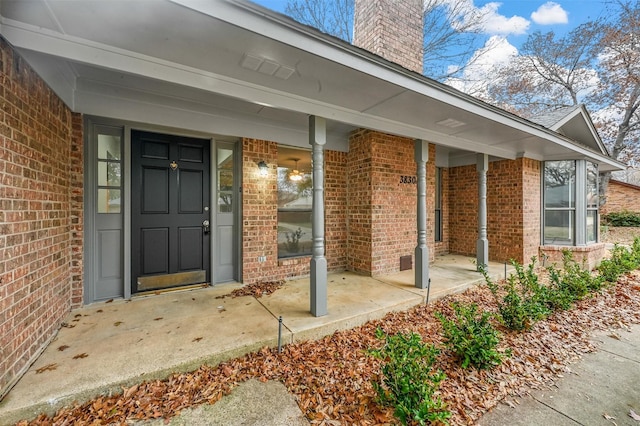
(511, 21)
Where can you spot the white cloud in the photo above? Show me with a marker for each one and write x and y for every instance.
(486, 19)
(496, 24)
(481, 68)
(550, 13)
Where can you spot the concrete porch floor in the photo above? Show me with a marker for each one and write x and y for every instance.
(107, 346)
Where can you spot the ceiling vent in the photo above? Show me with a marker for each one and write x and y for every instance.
(451, 123)
(266, 66)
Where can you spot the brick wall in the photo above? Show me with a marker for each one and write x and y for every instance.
(335, 209)
(381, 209)
(513, 209)
(391, 29)
(621, 197)
(532, 199)
(36, 214)
(393, 228)
(76, 165)
(359, 196)
(260, 215)
(588, 256)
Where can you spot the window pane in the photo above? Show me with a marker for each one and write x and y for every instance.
(592, 226)
(559, 184)
(592, 186)
(438, 188)
(108, 173)
(108, 200)
(225, 180)
(294, 233)
(108, 147)
(294, 194)
(225, 202)
(558, 226)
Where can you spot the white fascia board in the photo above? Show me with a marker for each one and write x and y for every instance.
(109, 57)
(594, 156)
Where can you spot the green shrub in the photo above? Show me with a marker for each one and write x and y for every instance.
(471, 337)
(576, 279)
(408, 383)
(522, 300)
(622, 260)
(624, 218)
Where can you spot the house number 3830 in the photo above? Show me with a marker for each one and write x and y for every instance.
(408, 179)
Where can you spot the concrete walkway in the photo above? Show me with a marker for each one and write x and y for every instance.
(602, 389)
(107, 346)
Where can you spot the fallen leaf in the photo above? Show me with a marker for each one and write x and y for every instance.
(128, 392)
(63, 347)
(157, 319)
(48, 367)
(197, 339)
(633, 415)
(109, 301)
(117, 323)
(80, 356)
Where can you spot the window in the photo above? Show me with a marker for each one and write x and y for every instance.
(559, 202)
(438, 212)
(109, 174)
(294, 203)
(592, 202)
(570, 202)
(225, 180)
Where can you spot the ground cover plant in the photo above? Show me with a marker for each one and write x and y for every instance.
(332, 378)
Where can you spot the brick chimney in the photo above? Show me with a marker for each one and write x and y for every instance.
(391, 29)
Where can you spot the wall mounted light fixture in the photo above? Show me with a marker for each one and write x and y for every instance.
(264, 169)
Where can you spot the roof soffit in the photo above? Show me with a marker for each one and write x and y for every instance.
(332, 80)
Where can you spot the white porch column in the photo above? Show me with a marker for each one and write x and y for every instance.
(482, 244)
(422, 250)
(318, 290)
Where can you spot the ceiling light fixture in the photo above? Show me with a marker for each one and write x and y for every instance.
(295, 175)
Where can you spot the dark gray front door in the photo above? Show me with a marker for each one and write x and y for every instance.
(170, 202)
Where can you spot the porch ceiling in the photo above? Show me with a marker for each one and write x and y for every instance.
(188, 64)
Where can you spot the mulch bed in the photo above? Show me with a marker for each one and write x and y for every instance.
(331, 377)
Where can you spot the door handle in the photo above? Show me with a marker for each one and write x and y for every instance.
(205, 226)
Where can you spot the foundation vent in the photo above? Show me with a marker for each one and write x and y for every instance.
(405, 263)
